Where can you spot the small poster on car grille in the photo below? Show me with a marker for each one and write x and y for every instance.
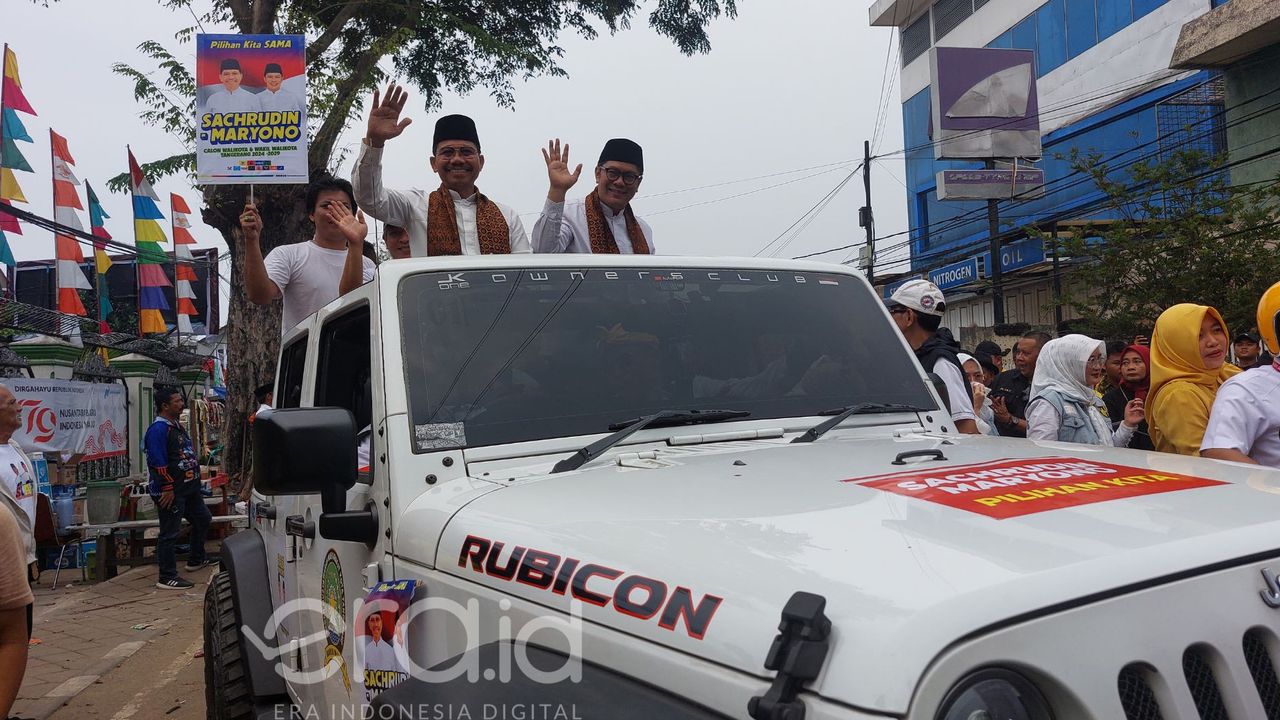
(1012, 488)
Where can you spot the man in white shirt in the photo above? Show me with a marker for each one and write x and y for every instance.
(917, 309)
(17, 476)
(456, 219)
(307, 276)
(603, 222)
(232, 98)
(1244, 424)
(276, 97)
(265, 395)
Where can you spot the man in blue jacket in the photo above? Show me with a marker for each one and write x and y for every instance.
(174, 473)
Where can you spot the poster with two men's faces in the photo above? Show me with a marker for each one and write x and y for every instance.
(251, 109)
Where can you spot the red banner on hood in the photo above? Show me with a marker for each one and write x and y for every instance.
(1013, 488)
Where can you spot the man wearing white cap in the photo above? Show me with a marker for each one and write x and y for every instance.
(917, 308)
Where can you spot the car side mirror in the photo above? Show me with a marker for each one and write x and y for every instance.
(305, 451)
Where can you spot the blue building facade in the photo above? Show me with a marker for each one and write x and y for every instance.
(1104, 87)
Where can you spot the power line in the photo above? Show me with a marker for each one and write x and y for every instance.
(952, 254)
(780, 173)
(744, 194)
(816, 205)
(969, 216)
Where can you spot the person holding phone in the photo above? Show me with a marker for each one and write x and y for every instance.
(1011, 390)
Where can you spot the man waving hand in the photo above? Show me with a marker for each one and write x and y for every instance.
(603, 222)
(456, 219)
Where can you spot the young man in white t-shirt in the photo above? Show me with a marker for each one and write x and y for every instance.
(307, 276)
(917, 309)
(1244, 425)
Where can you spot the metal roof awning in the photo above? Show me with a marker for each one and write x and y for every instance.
(43, 321)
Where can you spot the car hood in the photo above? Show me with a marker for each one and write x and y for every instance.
(905, 572)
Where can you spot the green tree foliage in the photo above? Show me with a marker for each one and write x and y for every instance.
(460, 45)
(1181, 233)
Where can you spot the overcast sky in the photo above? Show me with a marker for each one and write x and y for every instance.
(789, 85)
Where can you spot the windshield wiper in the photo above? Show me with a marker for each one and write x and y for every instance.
(844, 413)
(625, 429)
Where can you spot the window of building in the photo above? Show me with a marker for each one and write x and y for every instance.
(1142, 7)
(1113, 17)
(1193, 120)
(1005, 41)
(1051, 36)
(1024, 34)
(1082, 26)
(915, 39)
(947, 14)
(1061, 30)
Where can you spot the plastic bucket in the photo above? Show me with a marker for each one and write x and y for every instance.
(103, 502)
(65, 510)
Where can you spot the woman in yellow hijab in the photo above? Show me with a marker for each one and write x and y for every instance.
(1188, 363)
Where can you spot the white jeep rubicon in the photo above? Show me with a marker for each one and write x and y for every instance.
(641, 487)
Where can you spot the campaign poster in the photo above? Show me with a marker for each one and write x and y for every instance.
(251, 109)
(381, 637)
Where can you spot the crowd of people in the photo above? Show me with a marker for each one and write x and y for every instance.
(1191, 389)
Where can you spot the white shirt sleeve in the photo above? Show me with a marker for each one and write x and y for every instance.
(957, 388)
(368, 270)
(281, 264)
(1122, 435)
(1235, 422)
(517, 238)
(648, 235)
(1043, 420)
(551, 234)
(389, 206)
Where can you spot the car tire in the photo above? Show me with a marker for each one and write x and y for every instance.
(226, 680)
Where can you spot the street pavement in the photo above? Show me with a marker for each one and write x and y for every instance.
(115, 650)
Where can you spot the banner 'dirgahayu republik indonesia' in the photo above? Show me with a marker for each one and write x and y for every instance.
(69, 417)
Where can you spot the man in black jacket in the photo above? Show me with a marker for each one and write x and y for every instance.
(917, 309)
(1011, 390)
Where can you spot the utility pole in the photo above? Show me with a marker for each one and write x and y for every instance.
(1057, 282)
(997, 283)
(865, 218)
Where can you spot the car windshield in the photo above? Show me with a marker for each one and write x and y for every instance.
(494, 357)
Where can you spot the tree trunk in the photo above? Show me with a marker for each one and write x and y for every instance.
(253, 331)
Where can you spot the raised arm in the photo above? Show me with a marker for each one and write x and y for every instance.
(355, 229)
(548, 231)
(257, 286)
(385, 123)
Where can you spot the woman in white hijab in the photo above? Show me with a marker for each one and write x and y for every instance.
(982, 404)
(1063, 403)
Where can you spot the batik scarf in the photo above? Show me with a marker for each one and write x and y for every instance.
(602, 240)
(442, 226)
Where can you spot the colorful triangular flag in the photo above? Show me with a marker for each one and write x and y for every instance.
(12, 126)
(13, 157)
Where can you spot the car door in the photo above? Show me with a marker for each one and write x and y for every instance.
(340, 573)
(269, 513)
